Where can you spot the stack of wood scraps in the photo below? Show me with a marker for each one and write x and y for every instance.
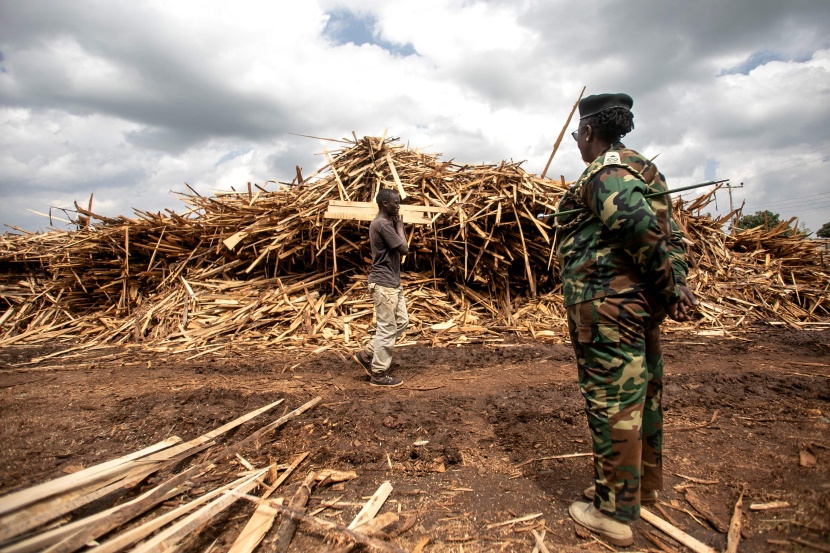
(287, 267)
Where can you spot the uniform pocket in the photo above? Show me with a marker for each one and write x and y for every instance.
(599, 333)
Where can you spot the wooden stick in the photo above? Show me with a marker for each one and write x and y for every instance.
(126, 513)
(698, 480)
(256, 528)
(514, 520)
(125, 539)
(675, 533)
(333, 526)
(666, 514)
(568, 456)
(167, 539)
(540, 541)
(371, 508)
(233, 448)
(343, 194)
(767, 506)
(392, 168)
(284, 476)
(42, 540)
(734, 535)
(372, 528)
(660, 545)
(32, 516)
(819, 546)
(285, 533)
(63, 484)
(695, 426)
(205, 438)
(562, 133)
(704, 510)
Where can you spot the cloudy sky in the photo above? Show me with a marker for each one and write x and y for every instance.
(129, 100)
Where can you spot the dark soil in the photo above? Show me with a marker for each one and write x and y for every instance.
(450, 438)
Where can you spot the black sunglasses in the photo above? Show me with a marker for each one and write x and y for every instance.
(575, 134)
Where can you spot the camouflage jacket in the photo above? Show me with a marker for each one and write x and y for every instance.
(621, 242)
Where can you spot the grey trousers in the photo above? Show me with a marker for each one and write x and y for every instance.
(392, 319)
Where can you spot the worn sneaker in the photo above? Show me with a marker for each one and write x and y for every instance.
(386, 381)
(365, 365)
(646, 497)
(612, 530)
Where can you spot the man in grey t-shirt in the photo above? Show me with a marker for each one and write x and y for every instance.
(388, 243)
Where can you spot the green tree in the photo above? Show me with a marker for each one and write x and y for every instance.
(766, 219)
(824, 231)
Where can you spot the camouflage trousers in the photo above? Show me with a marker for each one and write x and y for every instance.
(617, 344)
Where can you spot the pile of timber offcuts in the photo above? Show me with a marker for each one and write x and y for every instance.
(192, 483)
(287, 267)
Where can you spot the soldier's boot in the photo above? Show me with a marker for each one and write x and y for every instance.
(613, 531)
(647, 497)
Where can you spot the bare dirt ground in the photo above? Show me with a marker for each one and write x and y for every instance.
(475, 411)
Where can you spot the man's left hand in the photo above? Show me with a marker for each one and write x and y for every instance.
(682, 310)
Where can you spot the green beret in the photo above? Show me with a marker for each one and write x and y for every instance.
(600, 102)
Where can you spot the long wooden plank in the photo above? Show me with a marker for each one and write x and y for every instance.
(167, 540)
(132, 536)
(19, 522)
(78, 479)
(127, 512)
(42, 540)
(407, 218)
(367, 211)
(205, 438)
(403, 207)
(395, 176)
(689, 541)
(256, 528)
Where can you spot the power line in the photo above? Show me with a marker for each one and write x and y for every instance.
(807, 196)
(814, 208)
(796, 158)
(788, 208)
(785, 206)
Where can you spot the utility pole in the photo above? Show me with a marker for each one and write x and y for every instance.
(735, 216)
(729, 187)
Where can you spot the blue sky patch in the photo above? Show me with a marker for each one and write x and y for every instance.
(345, 26)
(756, 59)
(233, 154)
(710, 170)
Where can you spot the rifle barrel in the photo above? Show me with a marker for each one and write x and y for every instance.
(652, 195)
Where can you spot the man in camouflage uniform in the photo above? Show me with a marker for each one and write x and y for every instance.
(623, 270)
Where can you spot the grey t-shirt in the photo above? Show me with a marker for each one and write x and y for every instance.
(386, 260)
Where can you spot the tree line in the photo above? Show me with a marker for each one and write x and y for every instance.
(768, 220)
